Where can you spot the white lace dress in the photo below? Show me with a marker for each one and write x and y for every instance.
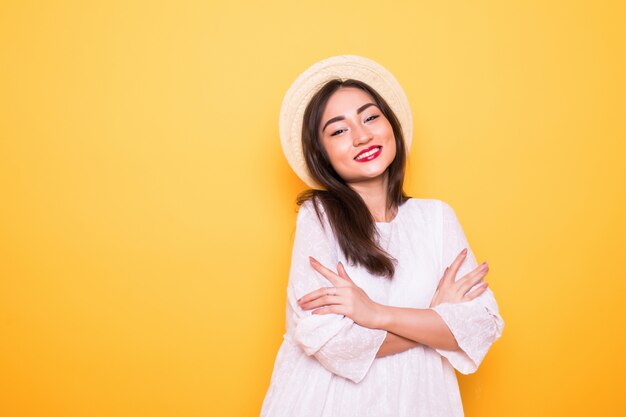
(326, 365)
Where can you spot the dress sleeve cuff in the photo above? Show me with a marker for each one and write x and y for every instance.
(475, 328)
(352, 353)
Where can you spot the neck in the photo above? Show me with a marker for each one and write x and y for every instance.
(374, 193)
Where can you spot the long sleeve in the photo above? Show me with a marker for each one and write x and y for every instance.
(475, 324)
(340, 345)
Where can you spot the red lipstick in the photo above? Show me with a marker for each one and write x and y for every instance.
(374, 155)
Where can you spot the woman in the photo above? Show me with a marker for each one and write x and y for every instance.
(384, 299)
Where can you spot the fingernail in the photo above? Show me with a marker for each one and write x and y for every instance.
(311, 259)
(464, 251)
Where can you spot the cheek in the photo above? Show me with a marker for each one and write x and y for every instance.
(384, 130)
(388, 129)
(337, 150)
(391, 144)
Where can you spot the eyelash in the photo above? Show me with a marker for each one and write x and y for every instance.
(371, 117)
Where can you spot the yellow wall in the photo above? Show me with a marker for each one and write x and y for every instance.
(147, 211)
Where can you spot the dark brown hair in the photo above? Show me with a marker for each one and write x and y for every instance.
(349, 217)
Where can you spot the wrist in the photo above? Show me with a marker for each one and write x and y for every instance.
(383, 316)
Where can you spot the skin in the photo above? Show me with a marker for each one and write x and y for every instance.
(344, 139)
(406, 327)
(422, 326)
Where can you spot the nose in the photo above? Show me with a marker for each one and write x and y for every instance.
(361, 135)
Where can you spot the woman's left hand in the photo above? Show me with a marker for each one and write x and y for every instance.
(344, 298)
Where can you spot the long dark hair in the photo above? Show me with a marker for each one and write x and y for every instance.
(347, 213)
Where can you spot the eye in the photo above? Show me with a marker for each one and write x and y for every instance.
(336, 132)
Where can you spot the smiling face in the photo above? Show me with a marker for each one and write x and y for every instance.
(353, 126)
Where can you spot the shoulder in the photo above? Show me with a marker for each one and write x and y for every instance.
(312, 227)
(307, 208)
(429, 204)
(311, 212)
(426, 207)
(431, 213)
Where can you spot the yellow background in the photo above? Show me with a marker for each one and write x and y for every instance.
(147, 211)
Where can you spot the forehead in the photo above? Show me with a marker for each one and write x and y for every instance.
(346, 100)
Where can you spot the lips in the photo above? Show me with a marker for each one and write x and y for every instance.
(367, 150)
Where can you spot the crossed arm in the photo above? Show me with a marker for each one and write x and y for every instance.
(423, 323)
(395, 344)
(406, 327)
(347, 342)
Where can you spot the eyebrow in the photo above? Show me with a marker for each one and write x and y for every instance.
(358, 111)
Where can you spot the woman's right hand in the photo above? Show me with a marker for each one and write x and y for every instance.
(451, 291)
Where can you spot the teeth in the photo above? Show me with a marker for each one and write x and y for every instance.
(366, 154)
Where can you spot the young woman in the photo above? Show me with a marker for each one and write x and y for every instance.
(385, 299)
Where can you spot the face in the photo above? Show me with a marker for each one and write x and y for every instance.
(357, 137)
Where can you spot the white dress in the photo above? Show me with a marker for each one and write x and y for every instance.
(326, 365)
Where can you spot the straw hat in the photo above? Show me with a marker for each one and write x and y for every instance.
(313, 79)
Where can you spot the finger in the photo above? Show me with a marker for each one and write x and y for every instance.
(432, 302)
(456, 264)
(321, 292)
(332, 309)
(442, 278)
(476, 292)
(343, 274)
(473, 278)
(325, 300)
(326, 273)
(317, 293)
